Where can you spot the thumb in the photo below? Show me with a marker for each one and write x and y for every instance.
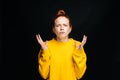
(46, 43)
(76, 45)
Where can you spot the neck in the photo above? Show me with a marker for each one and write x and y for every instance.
(66, 39)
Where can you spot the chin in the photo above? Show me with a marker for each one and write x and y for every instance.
(62, 37)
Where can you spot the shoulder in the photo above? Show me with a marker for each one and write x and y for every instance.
(75, 41)
(51, 41)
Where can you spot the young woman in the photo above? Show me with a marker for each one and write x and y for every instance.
(62, 58)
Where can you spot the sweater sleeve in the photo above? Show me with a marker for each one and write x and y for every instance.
(79, 62)
(43, 63)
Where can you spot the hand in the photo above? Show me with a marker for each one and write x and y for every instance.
(43, 44)
(82, 43)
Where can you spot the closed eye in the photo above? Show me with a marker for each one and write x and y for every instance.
(57, 25)
(65, 25)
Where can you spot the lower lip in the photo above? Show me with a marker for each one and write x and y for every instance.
(62, 32)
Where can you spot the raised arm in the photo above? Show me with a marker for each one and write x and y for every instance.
(43, 58)
(79, 58)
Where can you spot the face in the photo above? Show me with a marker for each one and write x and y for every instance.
(62, 27)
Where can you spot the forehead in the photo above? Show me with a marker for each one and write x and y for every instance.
(62, 19)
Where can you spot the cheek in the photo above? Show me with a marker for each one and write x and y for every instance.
(68, 29)
(55, 30)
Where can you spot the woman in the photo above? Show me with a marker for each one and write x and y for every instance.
(62, 58)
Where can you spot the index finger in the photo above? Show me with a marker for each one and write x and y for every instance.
(39, 39)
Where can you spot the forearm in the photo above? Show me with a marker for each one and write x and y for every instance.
(79, 60)
(43, 63)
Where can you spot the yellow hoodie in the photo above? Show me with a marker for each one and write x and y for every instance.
(62, 61)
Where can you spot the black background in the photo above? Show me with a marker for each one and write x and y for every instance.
(21, 20)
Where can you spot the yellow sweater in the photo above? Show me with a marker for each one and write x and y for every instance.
(62, 61)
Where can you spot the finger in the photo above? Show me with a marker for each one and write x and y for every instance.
(84, 40)
(46, 43)
(39, 39)
(37, 36)
(84, 37)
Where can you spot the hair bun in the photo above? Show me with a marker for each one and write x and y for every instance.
(61, 12)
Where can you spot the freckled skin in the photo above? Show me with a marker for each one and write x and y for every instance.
(62, 28)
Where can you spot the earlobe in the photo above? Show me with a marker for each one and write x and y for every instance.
(53, 30)
(70, 30)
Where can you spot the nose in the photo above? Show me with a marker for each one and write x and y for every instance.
(61, 27)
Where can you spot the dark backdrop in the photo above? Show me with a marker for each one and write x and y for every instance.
(21, 20)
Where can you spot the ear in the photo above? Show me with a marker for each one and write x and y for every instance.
(70, 29)
(53, 29)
